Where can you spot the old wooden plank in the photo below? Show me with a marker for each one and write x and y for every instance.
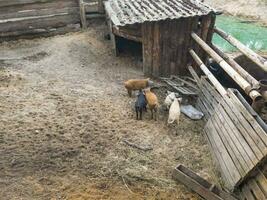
(247, 193)
(31, 33)
(215, 94)
(112, 37)
(247, 132)
(241, 143)
(4, 3)
(256, 189)
(128, 36)
(261, 133)
(165, 48)
(227, 167)
(262, 182)
(229, 143)
(58, 20)
(26, 9)
(20, 16)
(156, 50)
(198, 184)
(147, 39)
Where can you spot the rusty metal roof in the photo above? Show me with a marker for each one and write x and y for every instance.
(123, 12)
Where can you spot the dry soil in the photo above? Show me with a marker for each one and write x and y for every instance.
(64, 115)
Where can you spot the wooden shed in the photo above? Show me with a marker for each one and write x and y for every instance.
(163, 27)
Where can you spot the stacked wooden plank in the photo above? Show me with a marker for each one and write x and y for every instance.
(238, 142)
(31, 17)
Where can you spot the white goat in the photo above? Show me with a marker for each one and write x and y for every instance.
(169, 99)
(175, 112)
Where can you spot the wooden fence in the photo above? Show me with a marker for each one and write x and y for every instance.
(37, 17)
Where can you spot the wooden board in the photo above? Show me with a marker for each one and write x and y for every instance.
(200, 185)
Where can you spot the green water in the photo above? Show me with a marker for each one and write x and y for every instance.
(252, 35)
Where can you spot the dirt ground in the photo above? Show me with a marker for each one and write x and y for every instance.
(64, 115)
(253, 10)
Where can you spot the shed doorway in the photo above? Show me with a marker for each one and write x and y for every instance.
(126, 47)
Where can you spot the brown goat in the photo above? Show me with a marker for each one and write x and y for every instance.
(152, 102)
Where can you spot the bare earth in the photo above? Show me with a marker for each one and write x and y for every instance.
(251, 9)
(63, 116)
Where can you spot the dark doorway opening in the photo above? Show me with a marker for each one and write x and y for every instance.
(129, 47)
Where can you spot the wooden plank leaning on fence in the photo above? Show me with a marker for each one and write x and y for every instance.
(238, 142)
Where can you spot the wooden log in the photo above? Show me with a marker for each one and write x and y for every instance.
(211, 77)
(257, 59)
(82, 14)
(255, 95)
(255, 84)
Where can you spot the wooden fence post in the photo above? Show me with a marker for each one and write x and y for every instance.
(82, 14)
(100, 6)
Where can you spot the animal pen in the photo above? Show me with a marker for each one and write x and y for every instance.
(176, 38)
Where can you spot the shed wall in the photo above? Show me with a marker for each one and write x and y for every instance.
(166, 44)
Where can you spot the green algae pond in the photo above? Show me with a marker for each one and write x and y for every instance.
(251, 34)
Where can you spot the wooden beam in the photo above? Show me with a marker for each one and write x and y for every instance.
(255, 95)
(118, 32)
(212, 78)
(255, 84)
(82, 14)
(112, 37)
(257, 59)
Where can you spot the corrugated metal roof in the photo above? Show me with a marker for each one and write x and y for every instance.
(123, 12)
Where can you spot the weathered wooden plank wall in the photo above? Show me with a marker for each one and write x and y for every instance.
(166, 44)
(30, 17)
(94, 6)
